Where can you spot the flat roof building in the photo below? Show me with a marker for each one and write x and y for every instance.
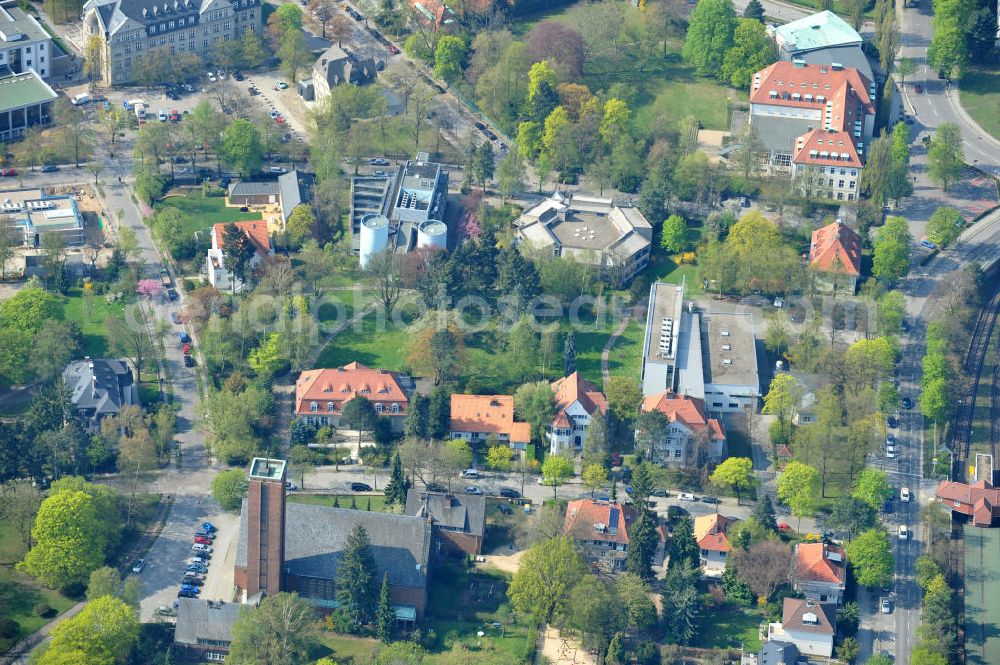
(706, 353)
(24, 44)
(592, 230)
(25, 101)
(36, 213)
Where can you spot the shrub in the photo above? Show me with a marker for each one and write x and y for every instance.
(229, 488)
(43, 610)
(8, 628)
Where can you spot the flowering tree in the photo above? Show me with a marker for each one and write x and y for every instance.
(148, 288)
(469, 226)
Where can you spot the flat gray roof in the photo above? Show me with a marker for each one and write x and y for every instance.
(666, 302)
(728, 342)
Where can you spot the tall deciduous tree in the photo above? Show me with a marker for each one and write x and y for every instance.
(872, 486)
(945, 156)
(241, 146)
(764, 566)
(69, 545)
(798, 487)
(555, 470)
(871, 558)
(673, 236)
(891, 259)
(710, 35)
(945, 225)
(105, 631)
(449, 58)
(752, 51)
(548, 572)
(736, 473)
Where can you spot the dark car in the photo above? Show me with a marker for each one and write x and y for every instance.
(891, 421)
(208, 526)
(887, 507)
(184, 593)
(504, 509)
(188, 361)
(184, 337)
(907, 403)
(171, 295)
(676, 512)
(508, 493)
(361, 487)
(709, 499)
(191, 588)
(49, 168)
(205, 534)
(436, 487)
(193, 580)
(659, 492)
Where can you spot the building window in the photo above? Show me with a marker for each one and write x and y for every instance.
(395, 408)
(378, 407)
(733, 406)
(170, 25)
(313, 406)
(329, 406)
(840, 183)
(852, 184)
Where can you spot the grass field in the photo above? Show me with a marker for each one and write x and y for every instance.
(676, 98)
(344, 500)
(982, 595)
(20, 594)
(368, 343)
(727, 627)
(980, 96)
(95, 336)
(348, 650)
(200, 212)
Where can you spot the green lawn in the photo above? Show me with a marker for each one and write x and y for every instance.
(377, 501)
(682, 95)
(201, 212)
(980, 96)
(348, 650)
(727, 627)
(339, 306)
(19, 594)
(368, 343)
(95, 337)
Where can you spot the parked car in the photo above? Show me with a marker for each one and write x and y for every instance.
(189, 361)
(290, 486)
(193, 580)
(7, 173)
(885, 606)
(378, 161)
(393, 49)
(472, 489)
(184, 337)
(906, 403)
(784, 526)
(203, 540)
(138, 566)
(890, 453)
(891, 422)
(49, 168)
(201, 547)
(204, 534)
(361, 487)
(659, 492)
(436, 487)
(186, 349)
(197, 568)
(190, 588)
(161, 115)
(277, 170)
(687, 496)
(470, 473)
(202, 560)
(676, 512)
(208, 526)
(928, 244)
(709, 499)
(274, 114)
(904, 494)
(164, 611)
(508, 493)
(280, 85)
(887, 507)
(183, 593)
(380, 174)
(903, 532)
(890, 439)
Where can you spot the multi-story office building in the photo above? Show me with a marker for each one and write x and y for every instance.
(24, 44)
(130, 30)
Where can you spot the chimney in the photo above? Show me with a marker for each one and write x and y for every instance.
(93, 386)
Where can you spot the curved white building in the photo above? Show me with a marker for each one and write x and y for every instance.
(432, 233)
(374, 237)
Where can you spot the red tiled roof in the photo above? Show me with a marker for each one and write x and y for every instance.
(813, 563)
(256, 230)
(710, 532)
(587, 519)
(979, 500)
(574, 388)
(489, 414)
(843, 87)
(836, 248)
(690, 411)
(820, 147)
(334, 387)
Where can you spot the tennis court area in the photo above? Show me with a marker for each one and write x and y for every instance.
(982, 595)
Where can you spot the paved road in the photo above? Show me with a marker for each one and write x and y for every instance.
(938, 102)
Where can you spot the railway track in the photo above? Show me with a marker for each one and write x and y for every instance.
(973, 365)
(994, 413)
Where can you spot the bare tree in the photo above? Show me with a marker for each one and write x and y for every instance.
(384, 279)
(340, 29)
(277, 275)
(764, 566)
(322, 11)
(130, 338)
(19, 502)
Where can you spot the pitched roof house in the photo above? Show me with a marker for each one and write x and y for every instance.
(204, 628)
(819, 570)
(807, 624)
(601, 530)
(689, 425)
(99, 388)
(335, 66)
(710, 534)
(320, 394)
(476, 417)
(836, 249)
(274, 199)
(459, 519)
(576, 400)
(256, 232)
(981, 500)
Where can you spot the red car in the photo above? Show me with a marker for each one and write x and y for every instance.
(7, 173)
(202, 540)
(782, 526)
(175, 116)
(918, 88)
(393, 49)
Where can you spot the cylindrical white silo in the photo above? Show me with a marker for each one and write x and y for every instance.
(432, 233)
(374, 237)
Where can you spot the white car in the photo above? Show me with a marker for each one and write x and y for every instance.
(211, 77)
(885, 606)
(138, 566)
(890, 453)
(472, 489)
(470, 473)
(686, 496)
(198, 547)
(904, 494)
(904, 532)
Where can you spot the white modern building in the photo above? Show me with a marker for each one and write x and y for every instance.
(35, 213)
(705, 352)
(218, 275)
(24, 44)
(25, 101)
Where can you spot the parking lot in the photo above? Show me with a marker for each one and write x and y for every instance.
(167, 558)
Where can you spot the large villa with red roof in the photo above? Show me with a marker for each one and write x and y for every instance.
(320, 394)
(820, 571)
(692, 437)
(576, 402)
